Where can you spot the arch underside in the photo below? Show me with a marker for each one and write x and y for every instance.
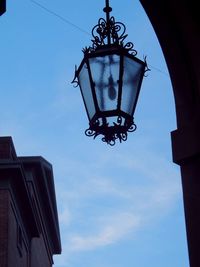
(177, 28)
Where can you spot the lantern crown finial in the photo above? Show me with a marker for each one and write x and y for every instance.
(109, 32)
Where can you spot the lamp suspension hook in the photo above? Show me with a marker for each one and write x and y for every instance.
(107, 9)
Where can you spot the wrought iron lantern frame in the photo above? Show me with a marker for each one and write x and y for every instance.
(108, 39)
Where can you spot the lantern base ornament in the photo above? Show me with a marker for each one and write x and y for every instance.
(118, 130)
(110, 77)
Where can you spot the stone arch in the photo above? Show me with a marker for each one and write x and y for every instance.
(176, 26)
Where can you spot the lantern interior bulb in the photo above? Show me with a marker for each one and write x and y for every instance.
(111, 88)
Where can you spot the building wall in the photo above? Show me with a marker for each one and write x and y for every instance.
(15, 248)
(29, 233)
(39, 255)
(4, 207)
(18, 249)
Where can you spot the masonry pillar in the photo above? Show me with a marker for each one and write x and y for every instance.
(177, 28)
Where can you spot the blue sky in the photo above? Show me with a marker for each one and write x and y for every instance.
(118, 206)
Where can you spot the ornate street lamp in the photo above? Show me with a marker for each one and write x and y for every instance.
(110, 76)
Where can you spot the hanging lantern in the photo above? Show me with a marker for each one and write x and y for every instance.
(110, 77)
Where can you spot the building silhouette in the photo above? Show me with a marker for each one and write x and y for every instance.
(29, 230)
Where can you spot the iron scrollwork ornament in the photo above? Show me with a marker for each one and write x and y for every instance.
(109, 33)
(110, 134)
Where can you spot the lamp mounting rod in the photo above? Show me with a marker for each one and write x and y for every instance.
(107, 9)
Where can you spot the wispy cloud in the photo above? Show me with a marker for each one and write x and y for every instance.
(65, 216)
(107, 207)
(112, 229)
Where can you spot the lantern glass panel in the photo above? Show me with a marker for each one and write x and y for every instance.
(86, 90)
(133, 71)
(105, 75)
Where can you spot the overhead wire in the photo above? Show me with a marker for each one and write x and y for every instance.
(79, 28)
(158, 70)
(60, 17)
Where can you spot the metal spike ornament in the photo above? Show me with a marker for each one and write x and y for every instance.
(110, 77)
